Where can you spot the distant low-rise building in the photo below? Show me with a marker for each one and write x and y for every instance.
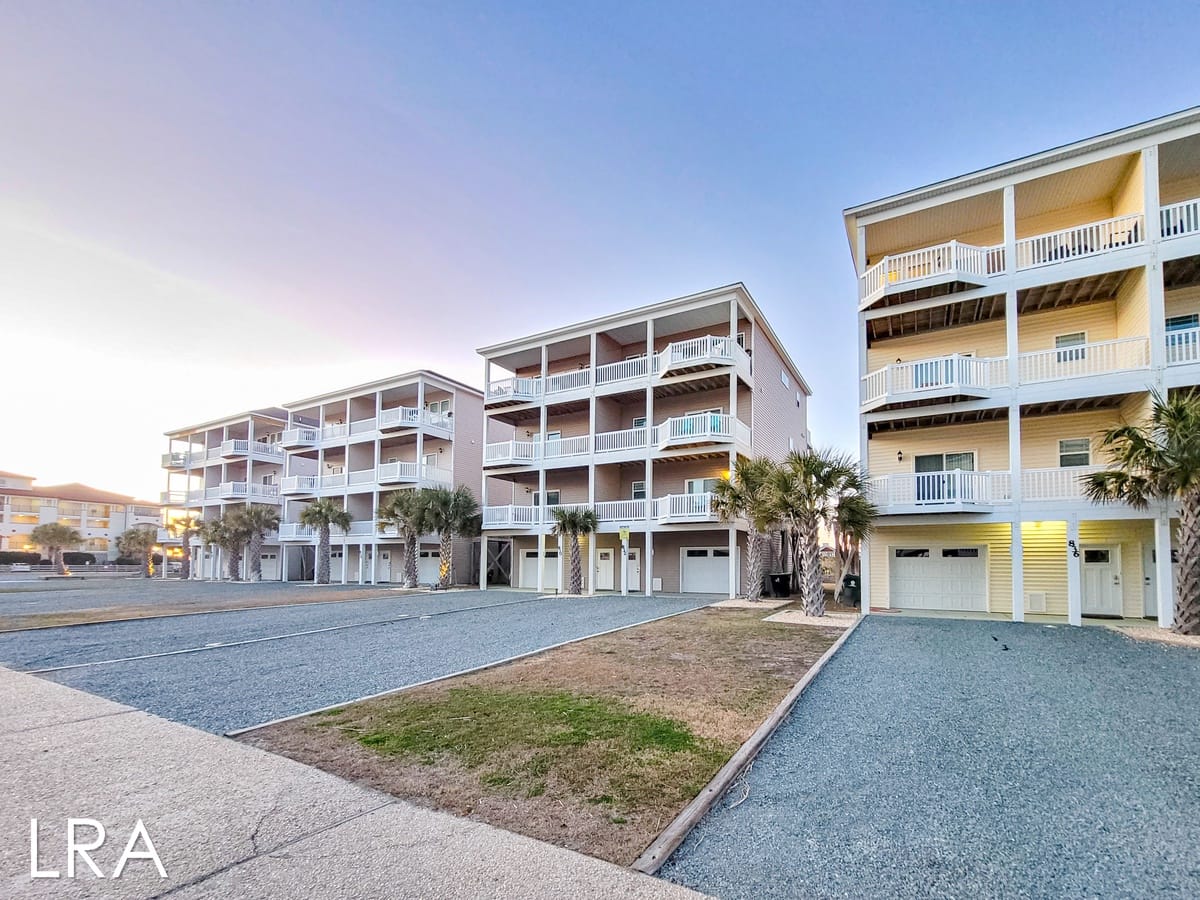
(99, 516)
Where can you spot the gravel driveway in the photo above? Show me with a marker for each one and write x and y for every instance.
(943, 758)
(305, 657)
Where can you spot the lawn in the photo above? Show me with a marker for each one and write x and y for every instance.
(595, 746)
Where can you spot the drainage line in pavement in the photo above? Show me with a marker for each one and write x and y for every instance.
(489, 665)
(279, 637)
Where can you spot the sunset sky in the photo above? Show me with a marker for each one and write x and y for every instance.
(208, 207)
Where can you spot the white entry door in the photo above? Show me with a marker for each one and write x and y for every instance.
(633, 566)
(938, 578)
(604, 569)
(1102, 592)
(529, 560)
(704, 570)
(429, 565)
(383, 571)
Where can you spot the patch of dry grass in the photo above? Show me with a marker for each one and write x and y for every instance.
(595, 746)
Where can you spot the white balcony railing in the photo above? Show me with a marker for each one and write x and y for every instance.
(1183, 347)
(949, 260)
(1055, 484)
(240, 490)
(334, 432)
(166, 498)
(238, 447)
(522, 390)
(1082, 240)
(617, 441)
(362, 426)
(333, 480)
(1179, 219)
(685, 507)
(299, 484)
(511, 516)
(568, 381)
(362, 476)
(413, 472)
(942, 375)
(620, 510)
(400, 417)
(510, 453)
(701, 428)
(301, 437)
(934, 489)
(565, 447)
(707, 350)
(177, 460)
(622, 371)
(1098, 358)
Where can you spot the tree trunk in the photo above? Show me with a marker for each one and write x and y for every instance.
(445, 553)
(200, 563)
(576, 565)
(323, 555)
(148, 562)
(235, 564)
(255, 552)
(797, 562)
(813, 590)
(1187, 586)
(56, 554)
(847, 568)
(185, 561)
(411, 572)
(754, 564)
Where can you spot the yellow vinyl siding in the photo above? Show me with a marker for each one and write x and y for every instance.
(1178, 191)
(1037, 331)
(1040, 435)
(1045, 558)
(1133, 306)
(982, 339)
(1133, 409)
(1130, 535)
(1058, 219)
(1129, 197)
(996, 537)
(989, 440)
(1183, 301)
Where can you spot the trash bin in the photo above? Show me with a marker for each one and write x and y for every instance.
(781, 584)
(852, 590)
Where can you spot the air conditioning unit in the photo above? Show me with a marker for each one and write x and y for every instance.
(1035, 601)
(336, 470)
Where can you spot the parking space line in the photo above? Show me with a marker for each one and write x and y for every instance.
(280, 637)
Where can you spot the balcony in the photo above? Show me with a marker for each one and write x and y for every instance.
(944, 264)
(240, 490)
(1084, 360)
(510, 453)
(414, 473)
(705, 428)
(1180, 219)
(298, 484)
(173, 498)
(399, 418)
(1183, 347)
(511, 391)
(626, 370)
(700, 353)
(237, 449)
(937, 492)
(685, 508)
(1091, 239)
(937, 378)
(299, 438)
(673, 508)
(176, 460)
(1056, 484)
(294, 531)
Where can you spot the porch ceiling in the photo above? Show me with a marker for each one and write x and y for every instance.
(1081, 404)
(691, 386)
(951, 315)
(1181, 273)
(1068, 293)
(958, 417)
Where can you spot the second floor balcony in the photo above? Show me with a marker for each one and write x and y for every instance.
(937, 378)
(953, 491)
(1183, 347)
(241, 490)
(940, 264)
(611, 514)
(238, 449)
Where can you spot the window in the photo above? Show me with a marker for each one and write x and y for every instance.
(911, 554)
(639, 421)
(549, 436)
(635, 356)
(741, 339)
(438, 406)
(1074, 452)
(639, 490)
(791, 444)
(945, 462)
(960, 553)
(787, 382)
(696, 554)
(269, 479)
(1096, 556)
(720, 554)
(799, 400)
(700, 485)
(1183, 323)
(551, 498)
(430, 460)
(1070, 346)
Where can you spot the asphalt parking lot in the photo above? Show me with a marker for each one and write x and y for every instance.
(949, 758)
(229, 670)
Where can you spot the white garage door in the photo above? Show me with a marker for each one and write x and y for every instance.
(938, 578)
(704, 570)
(429, 566)
(529, 560)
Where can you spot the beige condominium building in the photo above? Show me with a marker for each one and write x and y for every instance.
(1007, 318)
(359, 445)
(636, 415)
(99, 516)
(213, 466)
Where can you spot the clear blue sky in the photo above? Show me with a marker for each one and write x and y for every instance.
(242, 204)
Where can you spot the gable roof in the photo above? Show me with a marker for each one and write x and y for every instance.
(80, 493)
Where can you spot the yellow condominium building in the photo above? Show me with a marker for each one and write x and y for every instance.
(1006, 318)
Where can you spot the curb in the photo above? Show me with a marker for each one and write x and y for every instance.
(655, 856)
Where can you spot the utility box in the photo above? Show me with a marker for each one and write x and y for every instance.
(852, 590)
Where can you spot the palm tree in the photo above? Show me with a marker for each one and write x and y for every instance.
(572, 523)
(747, 495)
(323, 515)
(212, 534)
(450, 513)
(808, 490)
(56, 538)
(184, 527)
(854, 522)
(1159, 460)
(406, 511)
(258, 520)
(139, 543)
(234, 534)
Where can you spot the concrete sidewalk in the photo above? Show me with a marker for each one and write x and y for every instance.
(229, 820)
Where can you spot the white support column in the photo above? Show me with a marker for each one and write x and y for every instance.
(624, 563)
(541, 460)
(541, 556)
(648, 563)
(864, 448)
(860, 249)
(591, 577)
(591, 571)
(1010, 228)
(1074, 589)
(562, 563)
(374, 562)
(283, 561)
(1018, 573)
(420, 429)
(1164, 571)
(345, 560)
(733, 562)
(362, 563)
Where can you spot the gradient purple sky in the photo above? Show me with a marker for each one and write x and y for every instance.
(206, 207)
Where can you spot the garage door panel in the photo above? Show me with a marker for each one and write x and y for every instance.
(939, 578)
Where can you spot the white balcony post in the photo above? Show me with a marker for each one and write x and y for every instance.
(625, 567)
(420, 428)
(562, 557)
(1018, 568)
(648, 553)
(733, 562)
(1010, 229)
(1164, 571)
(374, 561)
(1074, 589)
